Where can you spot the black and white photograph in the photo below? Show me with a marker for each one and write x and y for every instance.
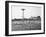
(25, 18)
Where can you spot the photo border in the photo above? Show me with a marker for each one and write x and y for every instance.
(7, 17)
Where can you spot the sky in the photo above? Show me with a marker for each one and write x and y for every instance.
(28, 12)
